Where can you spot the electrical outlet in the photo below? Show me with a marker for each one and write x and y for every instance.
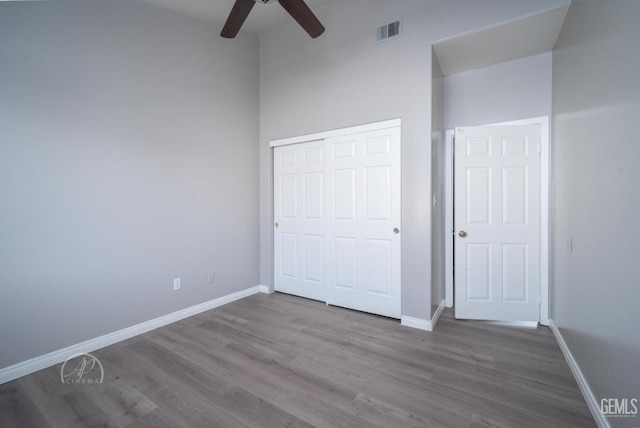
(211, 277)
(176, 284)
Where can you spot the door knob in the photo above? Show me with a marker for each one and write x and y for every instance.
(462, 234)
(396, 230)
(276, 225)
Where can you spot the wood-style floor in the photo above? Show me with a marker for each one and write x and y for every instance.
(278, 360)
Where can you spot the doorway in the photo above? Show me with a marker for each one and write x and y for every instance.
(494, 271)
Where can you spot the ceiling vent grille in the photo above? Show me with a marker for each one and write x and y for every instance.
(388, 31)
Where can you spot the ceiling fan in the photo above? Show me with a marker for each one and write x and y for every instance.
(298, 9)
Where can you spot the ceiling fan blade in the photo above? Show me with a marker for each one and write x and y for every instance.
(236, 18)
(299, 10)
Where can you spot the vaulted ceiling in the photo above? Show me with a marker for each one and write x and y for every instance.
(519, 38)
(515, 39)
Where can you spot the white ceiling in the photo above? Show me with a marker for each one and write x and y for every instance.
(516, 39)
(263, 16)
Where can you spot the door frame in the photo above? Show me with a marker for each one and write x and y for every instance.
(543, 121)
(391, 123)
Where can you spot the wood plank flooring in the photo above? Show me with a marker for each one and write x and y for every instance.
(278, 360)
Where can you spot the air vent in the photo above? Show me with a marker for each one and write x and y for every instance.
(388, 31)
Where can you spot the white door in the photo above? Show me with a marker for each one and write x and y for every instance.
(364, 222)
(337, 220)
(497, 223)
(300, 219)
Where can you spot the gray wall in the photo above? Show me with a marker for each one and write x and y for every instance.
(595, 289)
(438, 151)
(128, 157)
(343, 79)
(512, 90)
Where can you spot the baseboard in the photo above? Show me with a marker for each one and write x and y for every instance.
(436, 315)
(423, 324)
(33, 365)
(591, 400)
(265, 289)
(418, 323)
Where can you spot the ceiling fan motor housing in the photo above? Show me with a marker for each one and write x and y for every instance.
(266, 1)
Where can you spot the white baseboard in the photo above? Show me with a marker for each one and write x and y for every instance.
(591, 400)
(418, 323)
(265, 289)
(436, 315)
(423, 324)
(33, 365)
